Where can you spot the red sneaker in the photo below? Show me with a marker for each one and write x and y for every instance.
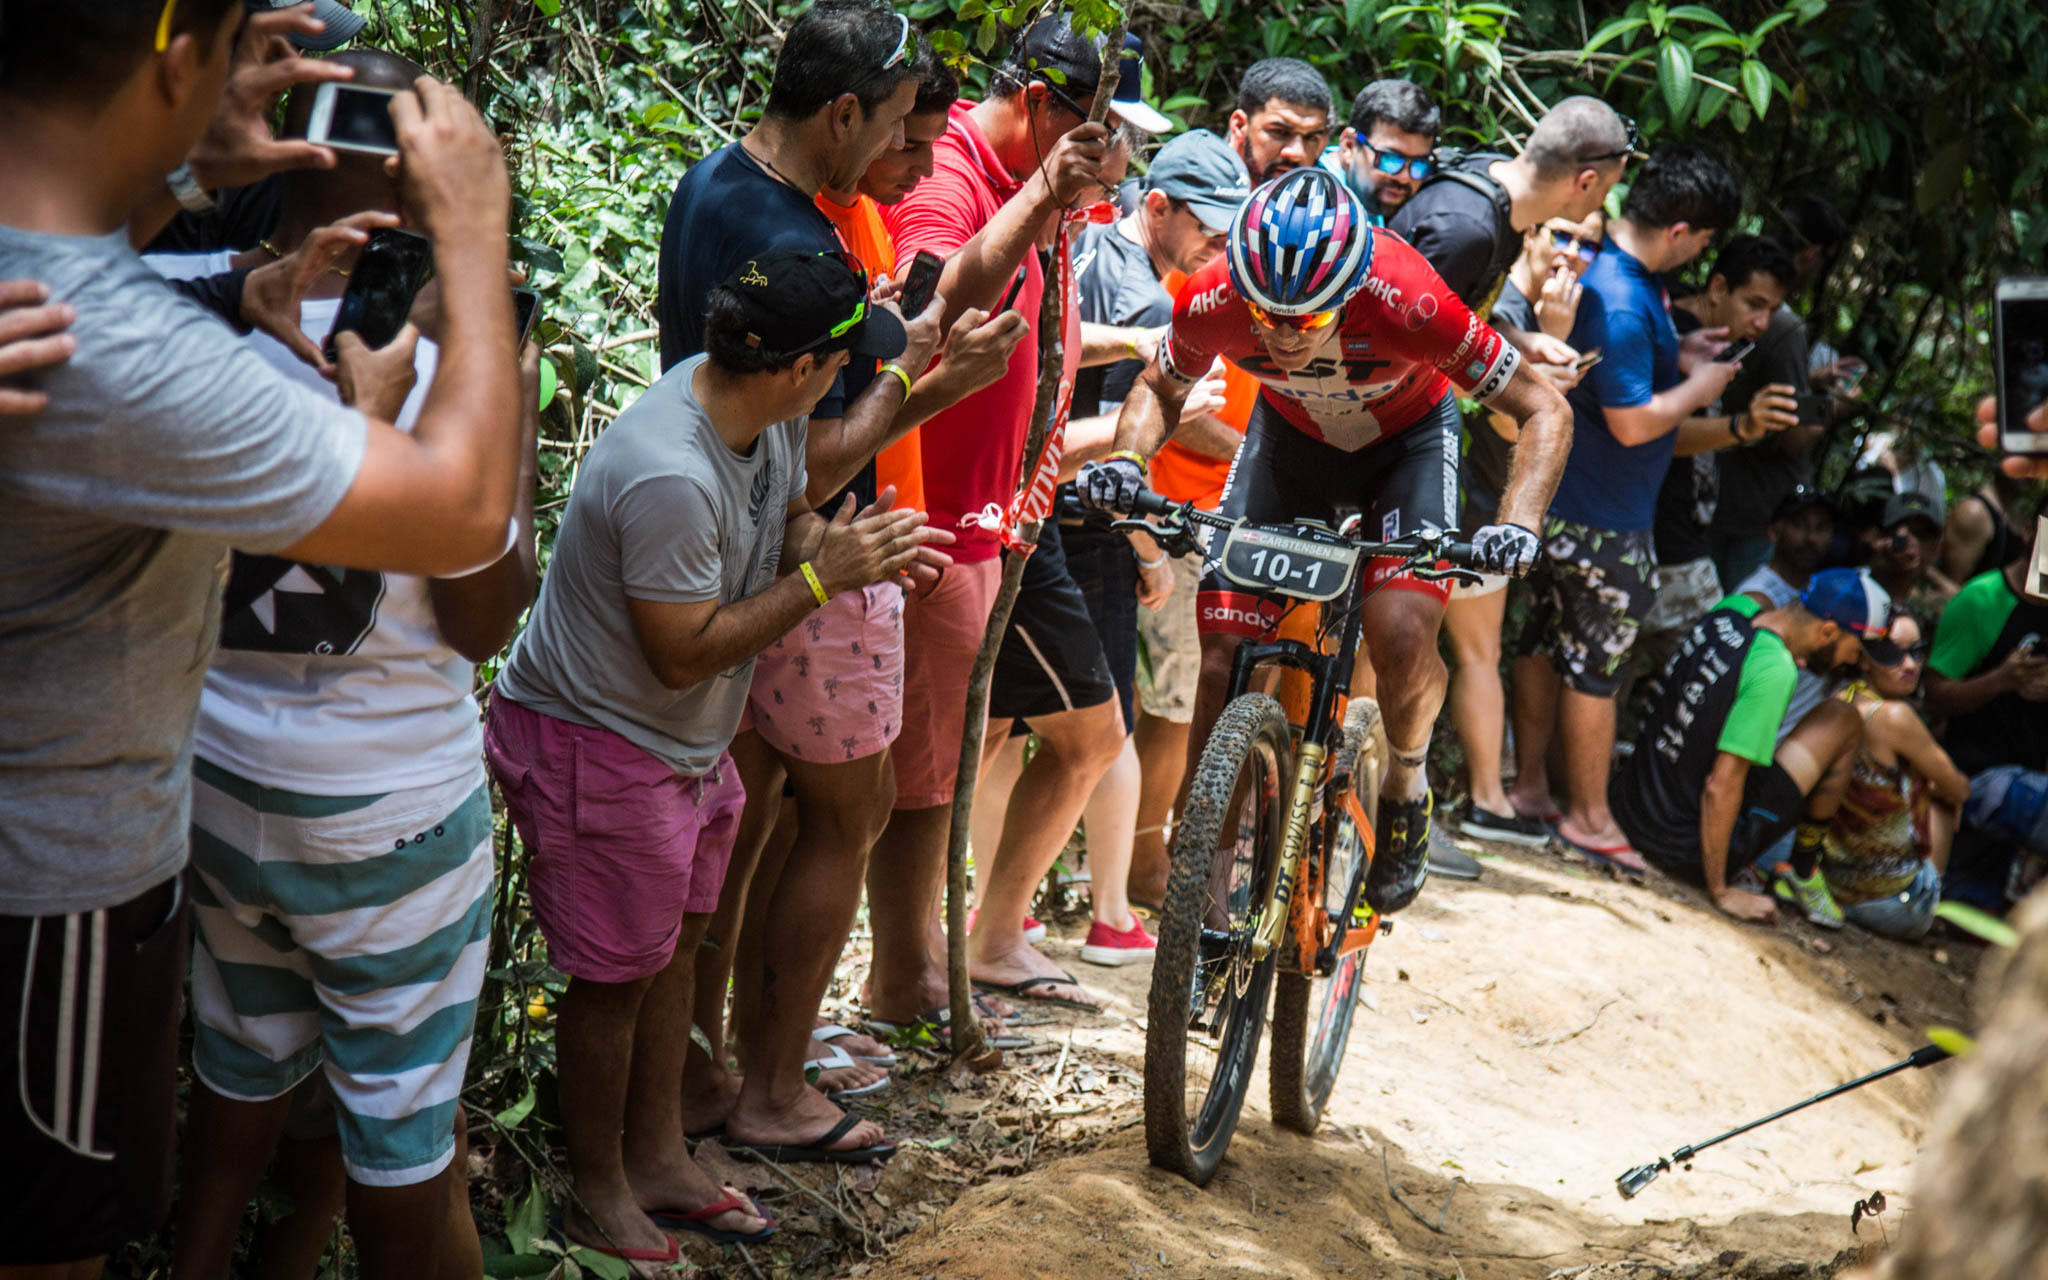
(1107, 946)
(1034, 930)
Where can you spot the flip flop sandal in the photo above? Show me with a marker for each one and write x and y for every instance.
(1602, 857)
(837, 1059)
(705, 1135)
(669, 1256)
(818, 1151)
(827, 1032)
(935, 1025)
(1028, 990)
(987, 1009)
(698, 1221)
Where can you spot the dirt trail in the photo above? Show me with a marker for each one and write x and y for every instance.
(1526, 1038)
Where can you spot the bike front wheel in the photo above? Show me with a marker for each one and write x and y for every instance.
(1312, 1016)
(1208, 1001)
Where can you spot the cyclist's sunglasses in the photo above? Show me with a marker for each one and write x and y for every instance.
(860, 309)
(1314, 320)
(1393, 162)
(1569, 242)
(1635, 139)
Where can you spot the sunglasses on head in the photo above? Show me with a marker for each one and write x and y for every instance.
(1572, 242)
(1392, 162)
(1635, 138)
(1314, 320)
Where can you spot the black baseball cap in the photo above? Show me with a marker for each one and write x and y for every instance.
(343, 23)
(797, 301)
(1801, 497)
(1907, 506)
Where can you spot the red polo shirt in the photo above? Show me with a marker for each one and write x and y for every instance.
(974, 451)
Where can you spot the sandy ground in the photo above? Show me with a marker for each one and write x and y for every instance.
(1525, 1039)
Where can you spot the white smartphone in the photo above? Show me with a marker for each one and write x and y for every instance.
(348, 118)
(2020, 320)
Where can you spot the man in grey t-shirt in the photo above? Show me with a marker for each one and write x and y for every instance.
(609, 725)
(162, 443)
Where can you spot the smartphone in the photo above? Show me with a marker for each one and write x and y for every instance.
(1010, 298)
(1736, 351)
(1851, 376)
(1816, 408)
(921, 282)
(2029, 643)
(351, 119)
(2020, 322)
(1586, 360)
(391, 269)
(525, 308)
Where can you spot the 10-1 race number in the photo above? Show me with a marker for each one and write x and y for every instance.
(1270, 560)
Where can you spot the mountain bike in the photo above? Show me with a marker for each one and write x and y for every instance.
(1270, 851)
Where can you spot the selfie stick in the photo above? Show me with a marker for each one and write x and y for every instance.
(1643, 1175)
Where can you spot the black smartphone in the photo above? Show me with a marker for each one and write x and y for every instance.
(1010, 298)
(921, 283)
(2021, 343)
(391, 269)
(525, 308)
(1816, 408)
(1737, 350)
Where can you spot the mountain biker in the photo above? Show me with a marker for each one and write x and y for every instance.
(1358, 344)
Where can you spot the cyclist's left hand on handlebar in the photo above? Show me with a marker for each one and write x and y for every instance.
(1110, 485)
(1505, 548)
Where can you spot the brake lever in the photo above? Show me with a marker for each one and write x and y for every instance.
(1175, 539)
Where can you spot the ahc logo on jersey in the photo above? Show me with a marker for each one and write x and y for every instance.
(1384, 291)
(1208, 300)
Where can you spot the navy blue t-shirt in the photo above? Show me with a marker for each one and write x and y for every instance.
(726, 209)
(1607, 484)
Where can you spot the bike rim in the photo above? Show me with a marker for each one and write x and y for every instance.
(1234, 985)
(1337, 1006)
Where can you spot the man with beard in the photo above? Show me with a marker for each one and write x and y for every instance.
(1801, 530)
(1709, 785)
(1282, 119)
(1388, 149)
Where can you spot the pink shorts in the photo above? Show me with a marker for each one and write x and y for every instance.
(941, 630)
(831, 689)
(620, 846)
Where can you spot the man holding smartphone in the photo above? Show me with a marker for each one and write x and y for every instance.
(163, 443)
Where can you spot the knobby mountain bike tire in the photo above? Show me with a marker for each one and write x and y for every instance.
(1208, 1000)
(1312, 1016)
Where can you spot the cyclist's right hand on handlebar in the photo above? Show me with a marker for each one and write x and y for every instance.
(1505, 548)
(1110, 485)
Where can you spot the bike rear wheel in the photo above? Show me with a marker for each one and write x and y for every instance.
(1312, 1016)
(1208, 1000)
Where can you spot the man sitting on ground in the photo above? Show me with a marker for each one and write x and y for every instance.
(1905, 557)
(1709, 787)
(609, 726)
(1801, 530)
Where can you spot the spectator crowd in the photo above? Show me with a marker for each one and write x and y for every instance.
(252, 575)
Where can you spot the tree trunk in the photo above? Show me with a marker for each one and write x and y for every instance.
(1979, 1209)
(967, 1037)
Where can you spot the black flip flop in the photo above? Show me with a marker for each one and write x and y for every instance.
(1027, 990)
(817, 1151)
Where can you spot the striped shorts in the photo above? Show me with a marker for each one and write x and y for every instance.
(348, 934)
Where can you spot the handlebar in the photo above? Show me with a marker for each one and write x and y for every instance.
(1413, 547)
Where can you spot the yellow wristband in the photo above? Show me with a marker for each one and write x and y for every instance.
(1128, 455)
(1131, 345)
(896, 369)
(817, 587)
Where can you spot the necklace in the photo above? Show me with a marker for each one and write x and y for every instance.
(769, 165)
(279, 254)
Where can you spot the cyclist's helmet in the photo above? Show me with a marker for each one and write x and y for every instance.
(1301, 244)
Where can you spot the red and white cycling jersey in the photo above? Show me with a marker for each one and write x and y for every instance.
(1400, 339)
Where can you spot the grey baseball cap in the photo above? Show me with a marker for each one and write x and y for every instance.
(343, 23)
(1200, 168)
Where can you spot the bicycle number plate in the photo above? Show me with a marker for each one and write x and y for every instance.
(1273, 560)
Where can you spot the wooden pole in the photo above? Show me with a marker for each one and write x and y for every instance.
(967, 1037)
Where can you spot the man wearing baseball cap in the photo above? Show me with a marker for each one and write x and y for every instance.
(609, 725)
(1907, 552)
(340, 23)
(1709, 786)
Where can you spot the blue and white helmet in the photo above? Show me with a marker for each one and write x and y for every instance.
(1301, 245)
